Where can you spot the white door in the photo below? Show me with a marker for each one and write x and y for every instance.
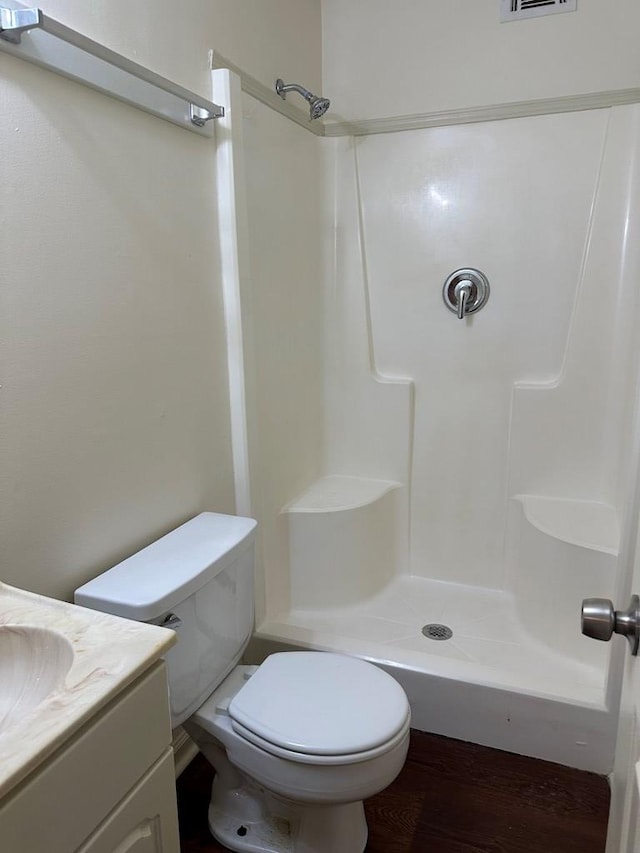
(624, 819)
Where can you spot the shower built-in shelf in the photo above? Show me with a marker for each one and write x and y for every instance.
(340, 493)
(344, 538)
(588, 524)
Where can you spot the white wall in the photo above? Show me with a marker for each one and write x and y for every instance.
(283, 318)
(114, 421)
(271, 39)
(414, 56)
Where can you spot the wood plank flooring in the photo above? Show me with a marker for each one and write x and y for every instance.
(453, 797)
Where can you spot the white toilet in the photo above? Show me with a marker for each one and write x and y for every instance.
(297, 742)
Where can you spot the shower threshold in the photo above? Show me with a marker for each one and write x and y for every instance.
(490, 682)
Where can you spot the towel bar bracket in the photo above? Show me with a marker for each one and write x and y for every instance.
(14, 22)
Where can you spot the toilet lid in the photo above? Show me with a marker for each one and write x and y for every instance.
(320, 703)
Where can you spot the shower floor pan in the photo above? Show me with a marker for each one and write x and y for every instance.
(489, 683)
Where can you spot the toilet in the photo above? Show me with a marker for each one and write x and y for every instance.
(298, 742)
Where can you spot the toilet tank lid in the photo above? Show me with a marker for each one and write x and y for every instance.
(152, 581)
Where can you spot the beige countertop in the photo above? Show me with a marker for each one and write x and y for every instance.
(75, 661)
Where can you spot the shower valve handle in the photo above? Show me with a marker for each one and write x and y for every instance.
(600, 621)
(465, 291)
(462, 293)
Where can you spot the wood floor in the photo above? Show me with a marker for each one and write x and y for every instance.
(454, 797)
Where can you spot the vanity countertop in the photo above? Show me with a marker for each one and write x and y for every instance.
(78, 658)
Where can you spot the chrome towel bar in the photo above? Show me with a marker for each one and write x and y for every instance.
(31, 35)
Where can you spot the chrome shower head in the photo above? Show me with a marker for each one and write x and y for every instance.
(317, 105)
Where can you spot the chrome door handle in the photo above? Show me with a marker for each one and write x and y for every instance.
(600, 621)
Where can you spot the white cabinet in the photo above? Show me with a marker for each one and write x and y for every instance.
(144, 822)
(109, 789)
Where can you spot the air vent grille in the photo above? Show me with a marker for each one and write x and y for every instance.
(516, 10)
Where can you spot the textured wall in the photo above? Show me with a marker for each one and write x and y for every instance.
(284, 318)
(415, 56)
(114, 421)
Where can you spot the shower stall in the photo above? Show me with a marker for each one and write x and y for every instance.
(437, 494)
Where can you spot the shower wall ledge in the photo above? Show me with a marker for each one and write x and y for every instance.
(588, 524)
(336, 127)
(488, 112)
(337, 493)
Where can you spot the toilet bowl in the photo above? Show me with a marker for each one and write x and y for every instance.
(308, 772)
(298, 742)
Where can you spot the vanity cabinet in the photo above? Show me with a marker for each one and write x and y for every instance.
(142, 822)
(110, 787)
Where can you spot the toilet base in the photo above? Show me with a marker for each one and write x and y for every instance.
(248, 819)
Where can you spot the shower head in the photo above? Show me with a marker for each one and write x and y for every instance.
(317, 105)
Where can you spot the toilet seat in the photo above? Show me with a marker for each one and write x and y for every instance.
(320, 708)
(322, 760)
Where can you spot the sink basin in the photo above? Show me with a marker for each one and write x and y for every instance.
(33, 664)
(60, 665)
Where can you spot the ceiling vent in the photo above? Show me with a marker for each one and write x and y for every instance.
(516, 10)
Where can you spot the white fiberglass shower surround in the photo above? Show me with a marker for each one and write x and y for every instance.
(473, 473)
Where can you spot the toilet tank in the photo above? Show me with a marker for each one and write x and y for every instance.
(198, 579)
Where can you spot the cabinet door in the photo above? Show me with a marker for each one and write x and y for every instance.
(86, 778)
(146, 820)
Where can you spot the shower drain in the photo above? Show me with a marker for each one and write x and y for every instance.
(437, 632)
